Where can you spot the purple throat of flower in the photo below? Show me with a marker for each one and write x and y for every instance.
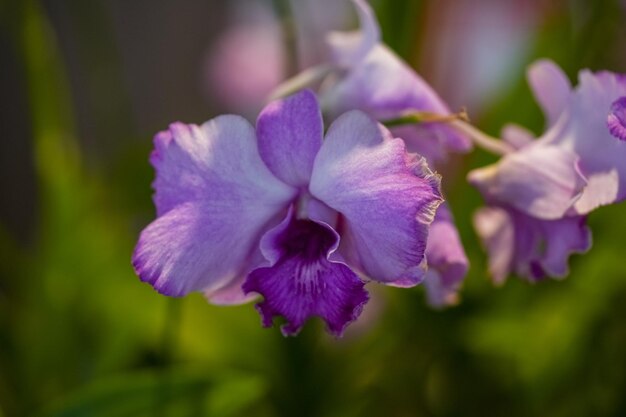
(616, 120)
(303, 282)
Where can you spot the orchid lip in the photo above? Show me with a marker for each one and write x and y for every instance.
(616, 121)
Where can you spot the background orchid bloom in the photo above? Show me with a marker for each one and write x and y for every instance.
(591, 126)
(372, 78)
(351, 202)
(546, 186)
(577, 164)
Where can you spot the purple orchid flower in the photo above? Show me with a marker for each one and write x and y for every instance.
(541, 192)
(286, 212)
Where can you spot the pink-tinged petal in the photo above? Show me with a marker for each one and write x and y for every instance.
(531, 248)
(290, 133)
(542, 181)
(497, 233)
(551, 88)
(231, 294)
(386, 198)
(616, 120)
(302, 282)
(583, 130)
(214, 197)
(517, 136)
(349, 48)
(447, 262)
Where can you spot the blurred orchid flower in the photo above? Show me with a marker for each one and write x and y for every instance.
(543, 189)
(372, 78)
(247, 61)
(291, 214)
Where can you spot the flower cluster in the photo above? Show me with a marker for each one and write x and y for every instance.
(306, 217)
(539, 193)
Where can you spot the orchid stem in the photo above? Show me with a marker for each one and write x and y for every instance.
(481, 139)
(459, 121)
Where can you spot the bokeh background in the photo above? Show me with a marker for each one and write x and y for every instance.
(86, 84)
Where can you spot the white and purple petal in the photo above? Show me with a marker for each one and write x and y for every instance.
(301, 282)
(214, 197)
(540, 180)
(386, 198)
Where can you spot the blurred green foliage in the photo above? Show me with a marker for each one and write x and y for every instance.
(81, 336)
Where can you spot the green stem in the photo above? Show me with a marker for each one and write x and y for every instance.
(168, 350)
(460, 122)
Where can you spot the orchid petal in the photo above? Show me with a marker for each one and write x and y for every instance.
(584, 131)
(387, 198)
(383, 86)
(551, 88)
(290, 132)
(447, 262)
(542, 181)
(532, 248)
(497, 233)
(349, 48)
(517, 136)
(214, 197)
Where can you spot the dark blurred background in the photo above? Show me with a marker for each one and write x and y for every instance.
(86, 84)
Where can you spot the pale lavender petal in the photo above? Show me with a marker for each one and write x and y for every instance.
(290, 132)
(349, 48)
(551, 88)
(302, 282)
(531, 248)
(447, 262)
(583, 130)
(497, 233)
(542, 181)
(214, 197)
(386, 197)
(385, 87)
(379, 83)
(517, 136)
(616, 121)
